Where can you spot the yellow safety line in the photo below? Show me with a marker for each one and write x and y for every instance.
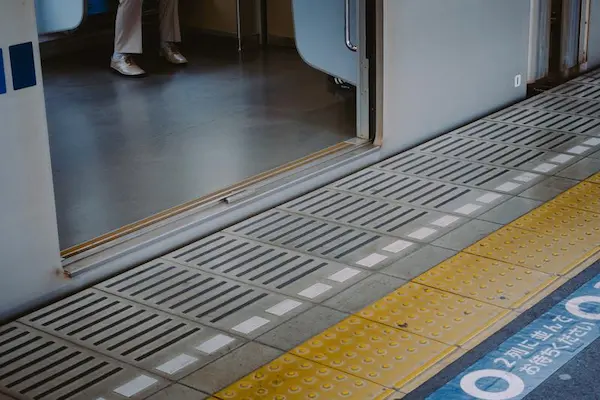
(594, 178)
(394, 345)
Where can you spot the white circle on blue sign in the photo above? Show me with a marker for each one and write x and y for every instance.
(574, 307)
(516, 386)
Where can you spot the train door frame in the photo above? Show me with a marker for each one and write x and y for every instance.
(178, 226)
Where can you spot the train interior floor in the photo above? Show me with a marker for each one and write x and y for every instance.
(125, 149)
(363, 289)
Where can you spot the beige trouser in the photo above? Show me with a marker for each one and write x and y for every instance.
(128, 27)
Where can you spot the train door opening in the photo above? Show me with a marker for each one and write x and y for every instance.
(269, 83)
(559, 38)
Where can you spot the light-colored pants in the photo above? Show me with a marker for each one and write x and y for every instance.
(128, 27)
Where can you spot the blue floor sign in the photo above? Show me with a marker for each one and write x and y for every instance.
(525, 360)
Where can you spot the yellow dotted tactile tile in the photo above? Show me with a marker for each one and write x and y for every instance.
(532, 250)
(562, 222)
(373, 351)
(486, 280)
(293, 378)
(584, 196)
(404, 338)
(438, 315)
(594, 178)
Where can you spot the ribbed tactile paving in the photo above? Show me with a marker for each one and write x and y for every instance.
(324, 239)
(379, 216)
(532, 250)
(569, 105)
(273, 268)
(584, 196)
(438, 315)
(486, 280)
(591, 78)
(562, 222)
(548, 120)
(500, 154)
(373, 351)
(426, 193)
(34, 365)
(209, 299)
(293, 378)
(477, 175)
(523, 136)
(161, 343)
(577, 89)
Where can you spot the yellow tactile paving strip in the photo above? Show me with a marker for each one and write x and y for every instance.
(291, 377)
(585, 196)
(531, 250)
(490, 281)
(401, 340)
(563, 222)
(433, 313)
(594, 178)
(372, 351)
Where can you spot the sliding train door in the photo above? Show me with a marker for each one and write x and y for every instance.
(327, 36)
(59, 15)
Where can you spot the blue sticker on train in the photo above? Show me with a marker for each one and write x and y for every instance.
(22, 65)
(2, 75)
(525, 360)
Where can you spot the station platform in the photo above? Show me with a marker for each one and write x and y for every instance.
(444, 272)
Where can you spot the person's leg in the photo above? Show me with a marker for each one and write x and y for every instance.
(128, 37)
(170, 31)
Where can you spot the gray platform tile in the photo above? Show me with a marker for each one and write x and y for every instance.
(561, 142)
(578, 88)
(336, 242)
(179, 392)
(581, 170)
(503, 155)
(404, 221)
(364, 293)
(510, 210)
(549, 188)
(270, 267)
(161, 343)
(301, 328)
(573, 105)
(547, 119)
(418, 262)
(232, 306)
(35, 365)
(231, 367)
(420, 192)
(467, 234)
(595, 155)
(461, 172)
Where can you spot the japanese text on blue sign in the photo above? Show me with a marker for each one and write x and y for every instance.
(531, 356)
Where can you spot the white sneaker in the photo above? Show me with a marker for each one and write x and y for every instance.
(125, 65)
(172, 54)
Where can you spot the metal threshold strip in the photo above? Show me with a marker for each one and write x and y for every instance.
(210, 205)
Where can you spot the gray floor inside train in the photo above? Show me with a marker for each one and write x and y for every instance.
(125, 149)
